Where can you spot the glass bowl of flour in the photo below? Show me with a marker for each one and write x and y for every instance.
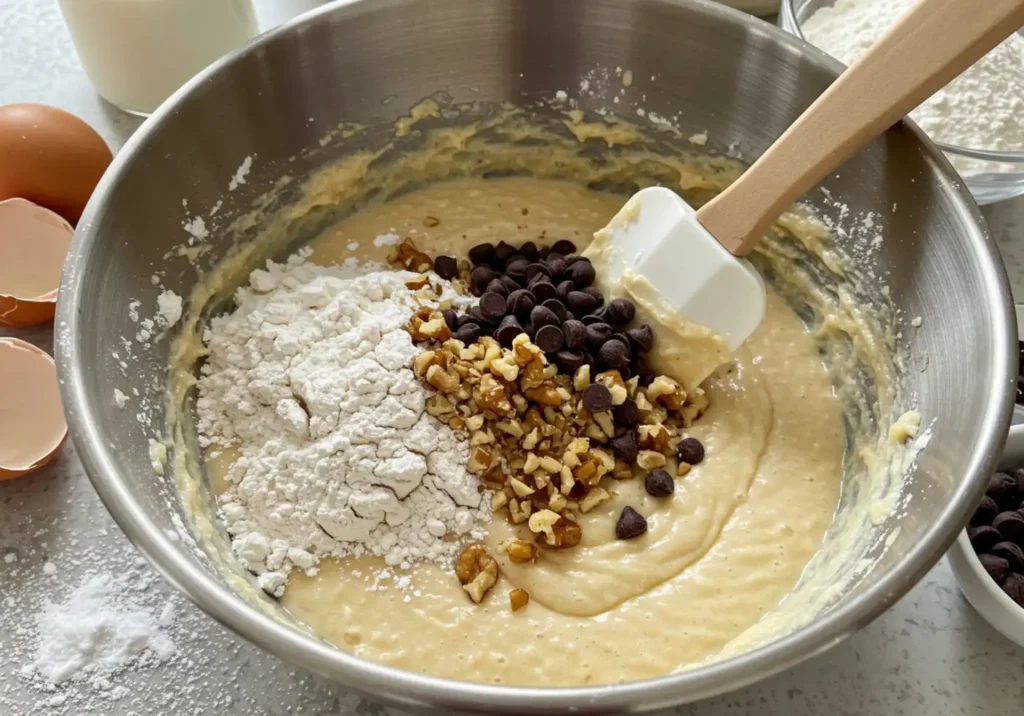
(975, 119)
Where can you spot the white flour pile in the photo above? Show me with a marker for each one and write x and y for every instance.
(982, 109)
(310, 380)
(92, 635)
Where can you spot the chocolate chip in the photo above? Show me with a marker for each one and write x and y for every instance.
(631, 524)
(482, 275)
(659, 483)
(564, 247)
(597, 334)
(1010, 525)
(569, 360)
(1003, 489)
(588, 357)
(624, 372)
(468, 334)
(596, 294)
(984, 538)
(613, 354)
(597, 398)
(544, 290)
(516, 270)
(451, 319)
(484, 319)
(492, 305)
(643, 371)
(690, 451)
(556, 264)
(1013, 555)
(642, 337)
(466, 318)
(543, 252)
(623, 339)
(446, 267)
(997, 567)
(581, 272)
(626, 413)
(592, 319)
(507, 331)
(515, 257)
(1013, 585)
(502, 253)
(529, 250)
(581, 303)
(541, 316)
(481, 253)
(562, 291)
(556, 307)
(986, 512)
(624, 445)
(549, 339)
(575, 333)
(520, 303)
(620, 311)
(510, 283)
(1018, 475)
(536, 269)
(498, 286)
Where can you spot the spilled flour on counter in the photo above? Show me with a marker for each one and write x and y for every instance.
(95, 633)
(310, 381)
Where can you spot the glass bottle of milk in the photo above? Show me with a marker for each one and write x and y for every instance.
(138, 52)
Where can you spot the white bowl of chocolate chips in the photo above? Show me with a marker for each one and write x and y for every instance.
(988, 556)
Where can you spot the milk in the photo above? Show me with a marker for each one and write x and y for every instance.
(138, 52)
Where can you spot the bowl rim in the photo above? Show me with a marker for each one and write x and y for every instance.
(408, 688)
(790, 23)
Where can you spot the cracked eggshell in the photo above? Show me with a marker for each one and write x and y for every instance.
(32, 425)
(33, 244)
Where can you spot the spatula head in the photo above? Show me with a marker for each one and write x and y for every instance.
(657, 235)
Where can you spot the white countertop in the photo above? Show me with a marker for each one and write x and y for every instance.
(930, 654)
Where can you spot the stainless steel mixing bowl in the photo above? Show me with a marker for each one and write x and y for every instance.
(368, 62)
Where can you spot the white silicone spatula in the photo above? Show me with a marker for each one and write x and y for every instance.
(692, 258)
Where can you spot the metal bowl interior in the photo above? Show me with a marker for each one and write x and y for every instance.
(986, 188)
(368, 62)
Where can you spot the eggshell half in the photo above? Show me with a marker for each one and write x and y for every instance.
(49, 157)
(33, 244)
(32, 426)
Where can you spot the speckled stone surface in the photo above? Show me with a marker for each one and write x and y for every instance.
(930, 654)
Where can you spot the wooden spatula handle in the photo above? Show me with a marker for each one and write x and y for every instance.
(932, 44)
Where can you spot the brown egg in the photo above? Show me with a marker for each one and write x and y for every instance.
(31, 419)
(49, 157)
(33, 244)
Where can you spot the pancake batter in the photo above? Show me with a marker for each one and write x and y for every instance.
(725, 550)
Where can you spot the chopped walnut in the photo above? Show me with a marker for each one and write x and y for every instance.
(650, 460)
(477, 571)
(479, 460)
(521, 488)
(417, 283)
(518, 598)
(567, 534)
(683, 470)
(498, 501)
(612, 380)
(410, 258)
(521, 552)
(594, 498)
